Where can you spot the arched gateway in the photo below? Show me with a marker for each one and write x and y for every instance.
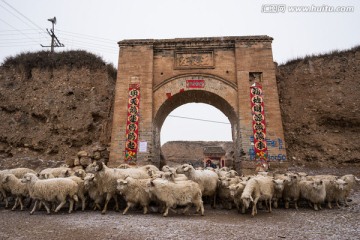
(234, 74)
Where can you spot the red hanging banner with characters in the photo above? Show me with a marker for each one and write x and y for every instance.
(132, 125)
(259, 127)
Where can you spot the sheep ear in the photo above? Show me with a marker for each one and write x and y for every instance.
(5, 180)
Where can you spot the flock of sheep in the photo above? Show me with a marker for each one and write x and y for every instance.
(168, 189)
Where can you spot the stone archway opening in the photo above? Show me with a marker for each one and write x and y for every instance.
(196, 122)
(193, 96)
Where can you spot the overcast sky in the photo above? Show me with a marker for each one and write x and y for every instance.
(97, 26)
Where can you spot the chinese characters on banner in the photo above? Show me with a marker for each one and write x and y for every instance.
(132, 125)
(259, 127)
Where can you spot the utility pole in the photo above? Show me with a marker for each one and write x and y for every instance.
(54, 40)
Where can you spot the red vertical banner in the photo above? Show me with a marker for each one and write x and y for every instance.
(259, 127)
(132, 125)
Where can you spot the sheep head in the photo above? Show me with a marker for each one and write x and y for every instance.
(28, 177)
(121, 184)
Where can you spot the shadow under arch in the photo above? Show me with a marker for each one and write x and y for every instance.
(195, 96)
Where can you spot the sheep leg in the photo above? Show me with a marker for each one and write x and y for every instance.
(83, 203)
(97, 206)
(319, 204)
(166, 211)
(116, 203)
(296, 204)
(186, 208)
(214, 201)
(5, 198)
(46, 207)
(62, 203)
(337, 204)
(270, 210)
(21, 204)
(108, 197)
(128, 205)
(243, 210)
(316, 207)
(145, 209)
(200, 207)
(253, 210)
(15, 204)
(275, 203)
(34, 208)
(286, 203)
(71, 207)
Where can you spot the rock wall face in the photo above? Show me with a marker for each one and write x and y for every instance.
(320, 107)
(52, 108)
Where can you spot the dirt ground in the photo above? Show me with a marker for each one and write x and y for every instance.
(343, 223)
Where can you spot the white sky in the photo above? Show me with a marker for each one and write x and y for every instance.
(97, 25)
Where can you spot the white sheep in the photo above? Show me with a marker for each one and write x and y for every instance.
(267, 190)
(133, 191)
(94, 190)
(4, 190)
(172, 194)
(51, 190)
(224, 191)
(55, 172)
(17, 189)
(175, 176)
(81, 193)
(278, 191)
(206, 179)
(236, 191)
(251, 194)
(107, 181)
(335, 190)
(291, 190)
(258, 188)
(313, 191)
(20, 172)
(351, 180)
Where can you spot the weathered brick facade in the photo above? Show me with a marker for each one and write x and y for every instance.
(221, 71)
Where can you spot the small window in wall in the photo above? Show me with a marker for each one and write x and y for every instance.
(255, 77)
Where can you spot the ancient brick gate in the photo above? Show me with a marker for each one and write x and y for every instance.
(157, 76)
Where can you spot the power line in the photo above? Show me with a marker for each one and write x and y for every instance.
(16, 16)
(23, 16)
(17, 30)
(88, 36)
(198, 119)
